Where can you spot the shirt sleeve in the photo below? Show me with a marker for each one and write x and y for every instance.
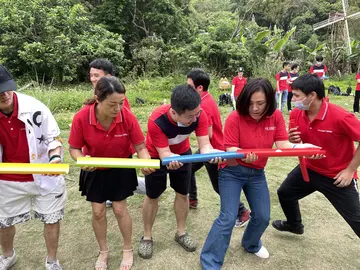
(203, 127)
(135, 133)
(325, 68)
(277, 77)
(311, 70)
(233, 81)
(76, 138)
(232, 131)
(281, 133)
(351, 127)
(158, 138)
(357, 76)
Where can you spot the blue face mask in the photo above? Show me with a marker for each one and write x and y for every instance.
(301, 106)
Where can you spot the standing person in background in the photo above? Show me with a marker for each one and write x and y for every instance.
(292, 76)
(238, 84)
(319, 68)
(282, 86)
(200, 80)
(29, 134)
(357, 91)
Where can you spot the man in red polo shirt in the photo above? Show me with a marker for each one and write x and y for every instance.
(282, 86)
(100, 68)
(357, 91)
(335, 130)
(238, 84)
(319, 68)
(169, 128)
(200, 80)
(28, 134)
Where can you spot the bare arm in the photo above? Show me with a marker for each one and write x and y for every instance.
(210, 132)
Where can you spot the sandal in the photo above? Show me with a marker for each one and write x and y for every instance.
(102, 264)
(128, 263)
(145, 248)
(186, 242)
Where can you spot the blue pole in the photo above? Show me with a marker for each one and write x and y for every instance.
(202, 157)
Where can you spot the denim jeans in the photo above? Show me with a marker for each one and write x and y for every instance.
(232, 180)
(284, 96)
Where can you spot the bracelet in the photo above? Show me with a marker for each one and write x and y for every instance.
(53, 157)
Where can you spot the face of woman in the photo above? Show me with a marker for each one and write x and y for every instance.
(257, 105)
(111, 105)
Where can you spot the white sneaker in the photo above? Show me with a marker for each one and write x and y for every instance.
(53, 265)
(108, 203)
(7, 262)
(262, 253)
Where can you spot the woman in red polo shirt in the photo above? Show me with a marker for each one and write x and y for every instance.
(255, 124)
(357, 91)
(105, 128)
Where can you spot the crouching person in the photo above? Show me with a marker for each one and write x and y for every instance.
(28, 134)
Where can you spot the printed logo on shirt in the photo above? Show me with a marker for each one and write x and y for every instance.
(120, 135)
(270, 128)
(325, 131)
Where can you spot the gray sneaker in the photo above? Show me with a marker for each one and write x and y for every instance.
(55, 265)
(7, 262)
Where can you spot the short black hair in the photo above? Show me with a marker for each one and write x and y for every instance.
(103, 64)
(105, 87)
(199, 77)
(310, 83)
(285, 64)
(319, 58)
(184, 98)
(294, 66)
(256, 85)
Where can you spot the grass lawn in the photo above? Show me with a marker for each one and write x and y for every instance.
(328, 242)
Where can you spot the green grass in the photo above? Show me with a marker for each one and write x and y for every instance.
(328, 242)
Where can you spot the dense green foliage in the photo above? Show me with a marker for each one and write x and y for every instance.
(55, 40)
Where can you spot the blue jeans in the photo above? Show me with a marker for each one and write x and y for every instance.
(284, 97)
(232, 180)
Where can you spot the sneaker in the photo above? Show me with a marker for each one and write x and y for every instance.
(283, 226)
(262, 253)
(55, 265)
(193, 204)
(242, 220)
(7, 262)
(108, 203)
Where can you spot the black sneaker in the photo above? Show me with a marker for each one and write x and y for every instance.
(283, 226)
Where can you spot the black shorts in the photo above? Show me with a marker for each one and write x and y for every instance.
(179, 180)
(111, 184)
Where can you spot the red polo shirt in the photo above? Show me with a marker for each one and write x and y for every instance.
(318, 70)
(14, 142)
(357, 77)
(87, 133)
(335, 130)
(163, 132)
(239, 85)
(208, 104)
(126, 103)
(282, 77)
(245, 132)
